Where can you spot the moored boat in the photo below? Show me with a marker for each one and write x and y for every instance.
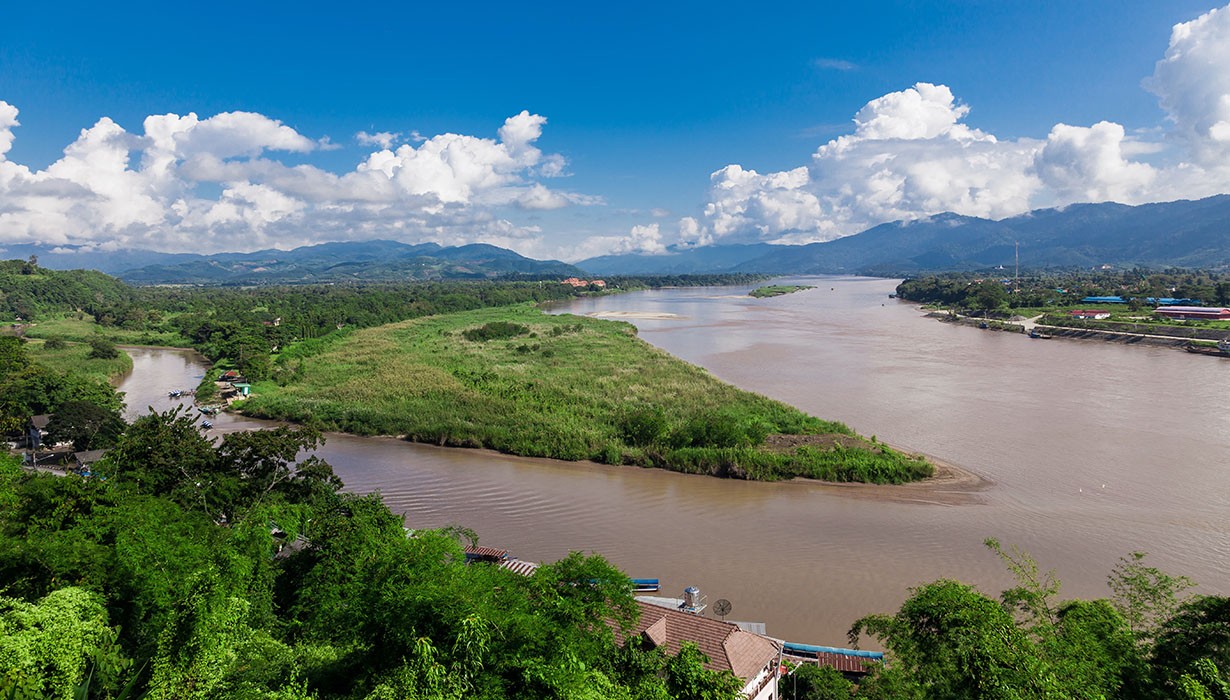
(645, 585)
(1221, 349)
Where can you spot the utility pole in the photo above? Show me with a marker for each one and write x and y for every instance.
(1017, 282)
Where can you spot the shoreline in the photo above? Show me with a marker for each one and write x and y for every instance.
(1061, 332)
(950, 485)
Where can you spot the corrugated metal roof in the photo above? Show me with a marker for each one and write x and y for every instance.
(846, 661)
(1192, 309)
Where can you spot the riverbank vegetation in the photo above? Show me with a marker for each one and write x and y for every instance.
(100, 360)
(1037, 292)
(777, 290)
(520, 381)
(1148, 640)
(200, 570)
(1128, 300)
(63, 384)
(238, 568)
(244, 326)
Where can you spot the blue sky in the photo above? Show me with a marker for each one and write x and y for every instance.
(646, 104)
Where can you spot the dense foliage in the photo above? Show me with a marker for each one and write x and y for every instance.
(995, 290)
(84, 408)
(950, 641)
(236, 569)
(28, 291)
(244, 326)
(520, 381)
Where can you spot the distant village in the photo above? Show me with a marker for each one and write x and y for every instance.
(580, 283)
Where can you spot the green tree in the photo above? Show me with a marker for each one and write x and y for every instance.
(102, 349)
(1204, 682)
(1093, 651)
(643, 427)
(987, 295)
(1199, 630)
(49, 648)
(688, 679)
(811, 682)
(957, 643)
(1145, 595)
(88, 426)
(161, 451)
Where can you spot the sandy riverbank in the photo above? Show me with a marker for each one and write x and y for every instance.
(951, 485)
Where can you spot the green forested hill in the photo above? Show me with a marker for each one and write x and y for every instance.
(29, 291)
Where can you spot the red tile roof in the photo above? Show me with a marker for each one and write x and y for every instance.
(486, 552)
(728, 647)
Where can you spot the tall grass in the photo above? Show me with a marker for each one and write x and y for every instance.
(561, 386)
(74, 358)
(81, 327)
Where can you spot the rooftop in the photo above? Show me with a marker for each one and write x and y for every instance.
(89, 456)
(728, 647)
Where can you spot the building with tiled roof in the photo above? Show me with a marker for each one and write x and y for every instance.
(753, 658)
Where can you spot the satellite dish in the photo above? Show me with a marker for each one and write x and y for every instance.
(722, 608)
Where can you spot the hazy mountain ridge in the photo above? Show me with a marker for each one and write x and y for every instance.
(1180, 234)
(1170, 234)
(327, 262)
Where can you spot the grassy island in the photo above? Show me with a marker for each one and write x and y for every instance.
(520, 381)
(82, 359)
(777, 290)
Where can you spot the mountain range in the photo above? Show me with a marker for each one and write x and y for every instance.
(1171, 234)
(366, 261)
(1193, 234)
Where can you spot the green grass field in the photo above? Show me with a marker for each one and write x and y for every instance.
(523, 382)
(74, 359)
(73, 328)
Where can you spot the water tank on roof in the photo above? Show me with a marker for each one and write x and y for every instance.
(691, 597)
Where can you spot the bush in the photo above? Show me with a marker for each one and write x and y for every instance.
(644, 426)
(102, 349)
(496, 330)
(55, 343)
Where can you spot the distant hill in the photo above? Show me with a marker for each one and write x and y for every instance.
(76, 258)
(1171, 234)
(367, 261)
(718, 258)
(1194, 234)
(30, 291)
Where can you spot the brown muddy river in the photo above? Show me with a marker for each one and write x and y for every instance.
(1092, 450)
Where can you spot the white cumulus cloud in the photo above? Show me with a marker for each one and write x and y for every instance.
(1193, 86)
(383, 139)
(912, 154)
(187, 183)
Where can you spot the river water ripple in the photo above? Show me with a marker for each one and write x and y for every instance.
(1093, 450)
